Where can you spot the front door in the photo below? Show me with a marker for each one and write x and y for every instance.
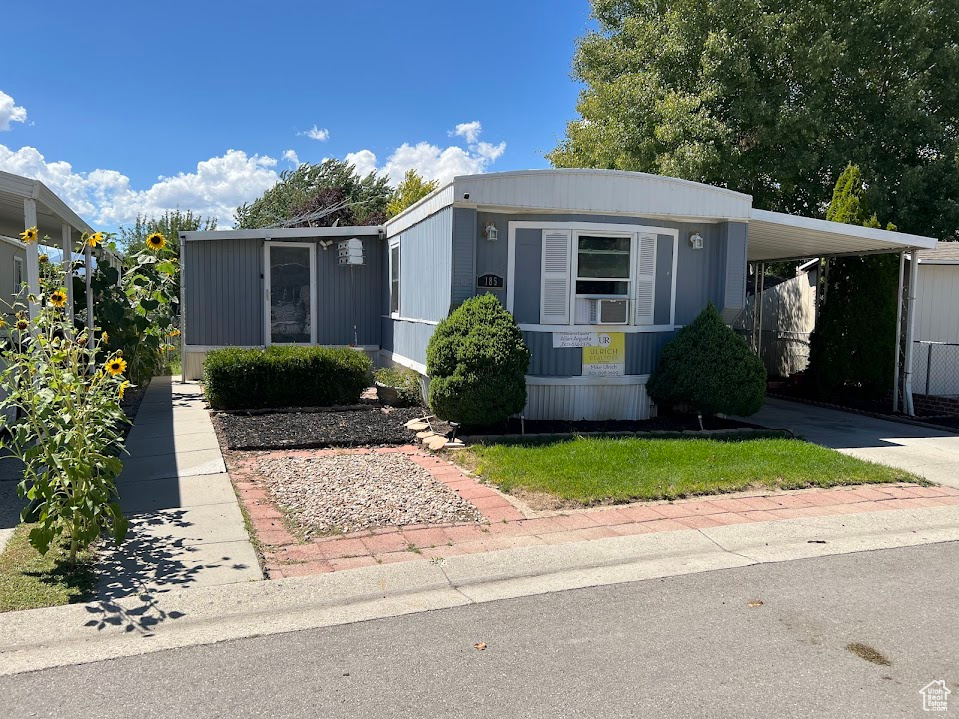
(290, 293)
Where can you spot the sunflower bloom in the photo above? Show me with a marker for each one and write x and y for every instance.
(156, 241)
(116, 366)
(95, 239)
(3, 323)
(174, 333)
(122, 388)
(104, 337)
(58, 298)
(29, 235)
(43, 259)
(22, 325)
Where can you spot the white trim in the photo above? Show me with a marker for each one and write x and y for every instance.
(439, 199)
(629, 329)
(629, 379)
(938, 262)
(11, 241)
(404, 361)
(395, 244)
(584, 226)
(397, 318)
(281, 233)
(633, 214)
(267, 285)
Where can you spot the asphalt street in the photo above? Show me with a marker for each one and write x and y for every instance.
(767, 640)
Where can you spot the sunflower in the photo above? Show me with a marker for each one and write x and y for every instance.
(122, 388)
(22, 325)
(116, 366)
(95, 239)
(156, 241)
(104, 337)
(29, 235)
(3, 323)
(43, 259)
(58, 298)
(174, 333)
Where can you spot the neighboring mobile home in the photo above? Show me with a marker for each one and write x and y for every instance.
(600, 268)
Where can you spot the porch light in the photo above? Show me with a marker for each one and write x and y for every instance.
(491, 232)
(696, 241)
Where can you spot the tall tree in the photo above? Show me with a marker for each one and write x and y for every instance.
(774, 97)
(412, 189)
(309, 190)
(171, 223)
(853, 346)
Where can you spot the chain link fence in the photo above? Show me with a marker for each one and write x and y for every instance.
(935, 368)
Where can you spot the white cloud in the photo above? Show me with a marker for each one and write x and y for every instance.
(105, 198)
(291, 157)
(470, 130)
(317, 133)
(10, 111)
(432, 161)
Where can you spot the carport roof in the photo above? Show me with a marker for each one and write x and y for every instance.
(778, 236)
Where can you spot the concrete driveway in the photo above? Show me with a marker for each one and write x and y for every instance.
(928, 452)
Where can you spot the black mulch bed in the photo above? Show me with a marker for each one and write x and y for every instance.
(664, 423)
(374, 427)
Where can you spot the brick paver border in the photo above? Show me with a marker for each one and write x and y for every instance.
(506, 526)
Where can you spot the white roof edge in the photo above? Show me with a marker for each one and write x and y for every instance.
(896, 239)
(596, 171)
(938, 262)
(35, 189)
(283, 232)
(416, 205)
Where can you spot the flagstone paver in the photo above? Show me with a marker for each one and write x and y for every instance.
(509, 524)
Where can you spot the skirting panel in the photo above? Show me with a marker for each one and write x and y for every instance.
(581, 401)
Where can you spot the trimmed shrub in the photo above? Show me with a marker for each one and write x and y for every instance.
(406, 382)
(477, 362)
(710, 368)
(285, 377)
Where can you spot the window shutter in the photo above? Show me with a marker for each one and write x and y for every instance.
(646, 280)
(554, 294)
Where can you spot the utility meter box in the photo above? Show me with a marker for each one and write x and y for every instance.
(350, 252)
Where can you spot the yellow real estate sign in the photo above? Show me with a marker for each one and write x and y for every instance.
(606, 358)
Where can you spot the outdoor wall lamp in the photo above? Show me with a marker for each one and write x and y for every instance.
(696, 241)
(491, 232)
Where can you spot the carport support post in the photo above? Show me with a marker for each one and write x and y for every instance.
(66, 238)
(897, 386)
(87, 261)
(910, 331)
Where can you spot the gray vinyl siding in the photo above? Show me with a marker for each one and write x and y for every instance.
(223, 292)
(464, 240)
(426, 267)
(407, 339)
(225, 298)
(8, 288)
(529, 257)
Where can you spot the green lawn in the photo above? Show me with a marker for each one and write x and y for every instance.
(28, 580)
(592, 470)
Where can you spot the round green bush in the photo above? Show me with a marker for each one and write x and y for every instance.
(710, 368)
(477, 362)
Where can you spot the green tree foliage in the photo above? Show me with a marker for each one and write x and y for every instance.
(477, 362)
(774, 97)
(411, 190)
(854, 343)
(310, 188)
(710, 368)
(170, 224)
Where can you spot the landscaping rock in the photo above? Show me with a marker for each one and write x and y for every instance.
(352, 492)
(307, 430)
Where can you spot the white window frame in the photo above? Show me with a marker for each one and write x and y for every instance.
(267, 280)
(19, 273)
(398, 312)
(594, 229)
(574, 269)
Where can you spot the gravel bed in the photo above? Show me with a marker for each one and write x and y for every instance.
(373, 427)
(352, 492)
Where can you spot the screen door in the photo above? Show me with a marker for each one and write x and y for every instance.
(291, 293)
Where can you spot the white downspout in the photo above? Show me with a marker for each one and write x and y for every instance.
(910, 332)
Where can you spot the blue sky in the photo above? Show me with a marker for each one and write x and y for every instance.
(121, 107)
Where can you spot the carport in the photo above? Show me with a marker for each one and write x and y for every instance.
(779, 237)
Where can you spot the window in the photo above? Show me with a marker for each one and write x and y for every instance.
(602, 266)
(395, 279)
(17, 274)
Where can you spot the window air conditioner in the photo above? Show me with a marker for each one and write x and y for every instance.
(609, 312)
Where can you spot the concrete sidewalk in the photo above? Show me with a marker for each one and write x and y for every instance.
(186, 528)
(927, 452)
(134, 625)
